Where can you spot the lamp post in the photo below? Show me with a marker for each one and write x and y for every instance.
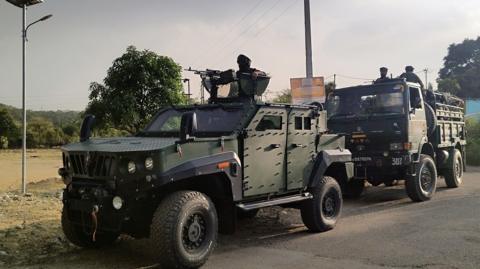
(23, 4)
(186, 80)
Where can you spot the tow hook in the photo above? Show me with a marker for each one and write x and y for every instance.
(95, 222)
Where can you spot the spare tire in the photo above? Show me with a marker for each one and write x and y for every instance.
(431, 119)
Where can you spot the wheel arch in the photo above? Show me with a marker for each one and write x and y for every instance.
(335, 163)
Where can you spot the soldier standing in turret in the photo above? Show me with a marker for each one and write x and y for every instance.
(412, 77)
(383, 75)
(244, 64)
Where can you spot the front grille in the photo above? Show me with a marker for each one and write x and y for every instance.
(91, 164)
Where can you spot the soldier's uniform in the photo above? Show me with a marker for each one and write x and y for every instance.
(412, 77)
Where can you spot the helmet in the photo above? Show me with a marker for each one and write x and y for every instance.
(409, 68)
(243, 60)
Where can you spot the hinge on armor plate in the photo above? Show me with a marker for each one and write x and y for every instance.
(222, 143)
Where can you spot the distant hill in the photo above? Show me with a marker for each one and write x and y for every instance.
(58, 118)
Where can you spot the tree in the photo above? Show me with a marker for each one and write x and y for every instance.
(461, 69)
(137, 85)
(8, 129)
(284, 97)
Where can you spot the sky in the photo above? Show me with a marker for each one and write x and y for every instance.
(351, 38)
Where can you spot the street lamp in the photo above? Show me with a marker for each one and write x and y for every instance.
(186, 80)
(23, 4)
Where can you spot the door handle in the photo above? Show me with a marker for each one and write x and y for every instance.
(275, 146)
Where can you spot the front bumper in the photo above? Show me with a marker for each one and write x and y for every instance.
(80, 201)
(380, 159)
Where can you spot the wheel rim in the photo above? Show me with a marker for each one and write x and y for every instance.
(330, 204)
(458, 169)
(194, 232)
(426, 180)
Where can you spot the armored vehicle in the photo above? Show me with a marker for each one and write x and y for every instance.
(396, 131)
(194, 169)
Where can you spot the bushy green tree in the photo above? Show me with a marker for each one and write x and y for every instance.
(8, 129)
(460, 74)
(137, 85)
(42, 133)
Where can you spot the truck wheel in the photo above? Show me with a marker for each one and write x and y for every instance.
(421, 187)
(354, 188)
(77, 236)
(453, 176)
(320, 214)
(184, 230)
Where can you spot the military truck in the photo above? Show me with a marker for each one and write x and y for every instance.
(396, 131)
(194, 169)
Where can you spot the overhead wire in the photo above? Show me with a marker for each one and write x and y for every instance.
(216, 43)
(248, 28)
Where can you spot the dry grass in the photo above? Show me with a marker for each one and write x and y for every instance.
(41, 164)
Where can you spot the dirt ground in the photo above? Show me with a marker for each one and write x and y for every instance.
(41, 164)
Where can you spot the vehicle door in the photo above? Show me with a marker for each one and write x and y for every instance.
(264, 152)
(417, 124)
(300, 146)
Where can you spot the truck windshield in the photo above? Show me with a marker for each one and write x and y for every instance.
(210, 121)
(368, 101)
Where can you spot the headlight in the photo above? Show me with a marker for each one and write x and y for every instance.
(117, 202)
(131, 167)
(396, 146)
(149, 163)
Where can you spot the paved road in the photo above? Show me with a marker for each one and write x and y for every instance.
(381, 230)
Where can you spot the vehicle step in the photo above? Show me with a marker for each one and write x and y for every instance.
(275, 201)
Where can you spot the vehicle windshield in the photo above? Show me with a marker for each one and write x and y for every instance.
(211, 121)
(366, 101)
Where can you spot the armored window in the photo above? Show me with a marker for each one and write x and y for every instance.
(307, 123)
(298, 123)
(270, 122)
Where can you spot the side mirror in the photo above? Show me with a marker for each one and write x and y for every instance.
(86, 129)
(188, 126)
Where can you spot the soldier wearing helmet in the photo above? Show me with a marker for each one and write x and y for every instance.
(244, 67)
(383, 75)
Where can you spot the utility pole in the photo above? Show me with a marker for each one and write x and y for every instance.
(308, 40)
(334, 81)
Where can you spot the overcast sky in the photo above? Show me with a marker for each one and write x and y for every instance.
(352, 38)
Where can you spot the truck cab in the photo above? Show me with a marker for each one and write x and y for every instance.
(194, 169)
(396, 131)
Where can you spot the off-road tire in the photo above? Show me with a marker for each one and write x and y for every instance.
(422, 186)
(354, 188)
(321, 213)
(453, 176)
(179, 217)
(77, 236)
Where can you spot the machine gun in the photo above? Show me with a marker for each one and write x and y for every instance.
(242, 85)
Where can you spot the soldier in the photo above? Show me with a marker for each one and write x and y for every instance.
(244, 64)
(383, 75)
(412, 77)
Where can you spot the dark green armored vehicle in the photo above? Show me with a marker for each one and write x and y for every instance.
(397, 132)
(194, 169)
